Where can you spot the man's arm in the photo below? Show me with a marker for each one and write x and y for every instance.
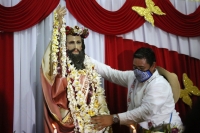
(113, 75)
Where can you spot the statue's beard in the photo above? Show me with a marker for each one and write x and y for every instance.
(77, 59)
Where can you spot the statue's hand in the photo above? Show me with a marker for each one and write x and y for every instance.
(61, 12)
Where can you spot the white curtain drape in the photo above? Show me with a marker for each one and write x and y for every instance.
(30, 44)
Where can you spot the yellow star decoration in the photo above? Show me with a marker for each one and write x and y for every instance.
(189, 89)
(148, 12)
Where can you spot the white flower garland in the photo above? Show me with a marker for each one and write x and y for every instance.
(55, 46)
(80, 110)
(63, 48)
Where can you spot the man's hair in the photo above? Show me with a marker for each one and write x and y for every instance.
(145, 53)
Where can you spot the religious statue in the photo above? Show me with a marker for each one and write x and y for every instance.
(71, 86)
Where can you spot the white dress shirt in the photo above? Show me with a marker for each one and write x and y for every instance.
(149, 101)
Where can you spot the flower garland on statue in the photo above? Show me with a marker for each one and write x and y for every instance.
(80, 108)
(63, 48)
(55, 44)
(58, 48)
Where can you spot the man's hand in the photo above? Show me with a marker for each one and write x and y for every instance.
(102, 121)
(61, 12)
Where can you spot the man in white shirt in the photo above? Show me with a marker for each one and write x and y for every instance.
(151, 98)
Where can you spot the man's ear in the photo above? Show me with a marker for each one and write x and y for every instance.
(153, 65)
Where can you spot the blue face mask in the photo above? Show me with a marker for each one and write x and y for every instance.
(142, 76)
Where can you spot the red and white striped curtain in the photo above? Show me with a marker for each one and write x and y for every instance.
(23, 47)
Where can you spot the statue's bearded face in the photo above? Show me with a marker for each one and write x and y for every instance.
(75, 52)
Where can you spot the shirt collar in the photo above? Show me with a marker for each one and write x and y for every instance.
(155, 74)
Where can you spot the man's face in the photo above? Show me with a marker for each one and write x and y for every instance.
(74, 42)
(142, 65)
